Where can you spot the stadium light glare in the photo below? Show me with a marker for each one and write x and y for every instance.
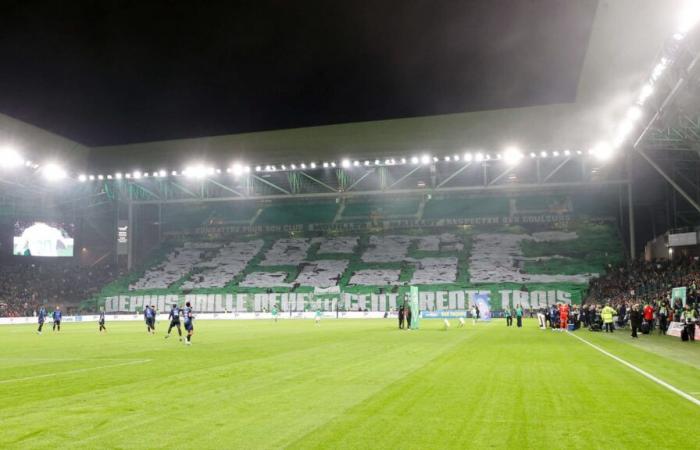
(284, 167)
(436, 159)
(646, 91)
(387, 162)
(136, 174)
(174, 173)
(555, 153)
(100, 177)
(414, 160)
(258, 168)
(543, 154)
(345, 163)
(91, 178)
(312, 165)
(333, 164)
(109, 177)
(246, 169)
(689, 16)
(533, 155)
(447, 159)
(425, 159)
(10, 158)
(479, 157)
(236, 169)
(162, 173)
(53, 172)
(602, 151)
(659, 69)
(82, 178)
(579, 152)
(512, 155)
(403, 160)
(356, 163)
(468, 157)
(325, 165)
(128, 175)
(366, 162)
(567, 152)
(293, 166)
(634, 113)
(118, 176)
(455, 157)
(303, 165)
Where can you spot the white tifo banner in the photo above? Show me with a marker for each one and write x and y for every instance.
(200, 316)
(299, 302)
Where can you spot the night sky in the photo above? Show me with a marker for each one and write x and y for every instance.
(116, 72)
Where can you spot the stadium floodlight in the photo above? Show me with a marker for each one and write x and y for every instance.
(579, 152)
(82, 178)
(512, 155)
(436, 159)
(128, 175)
(325, 165)
(414, 160)
(100, 177)
(345, 163)
(91, 177)
(284, 167)
(312, 165)
(293, 166)
(659, 69)
(303, 165)
(403, 160)
(273, 168)
(678, 36)
(646, 91)
(555, 153)
(258, 168)
(195, 171)
(602, 151)
(387, 162)
(136, 175)
(333, 164)
(425, 159)
(366, 162)
(236, 169)
(479, 157)
(447, 159)
(634, 113)
(118, 175)
(533, 155)
(109, 177)
(10, 158)
(53, 172)
(488, 157)
(174, 173)
(356, 163)
(567, 152)
(455, 157)
(468, 157)
(543, 154)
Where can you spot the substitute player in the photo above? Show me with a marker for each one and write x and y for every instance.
(274, 312)
(189, 325)
(41, 317)
(317, 317)
(57, 316)
(174, 317)
(101, 321)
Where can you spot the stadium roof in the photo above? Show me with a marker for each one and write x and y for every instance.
(625, 40)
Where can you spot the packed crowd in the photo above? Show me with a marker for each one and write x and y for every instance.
(639, 294)
(25, 287)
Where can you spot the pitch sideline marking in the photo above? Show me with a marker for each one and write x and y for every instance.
(646, 374)
(86, 369)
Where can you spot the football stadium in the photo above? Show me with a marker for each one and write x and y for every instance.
(317, 225)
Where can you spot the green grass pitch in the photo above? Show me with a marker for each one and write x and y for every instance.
(347, 384)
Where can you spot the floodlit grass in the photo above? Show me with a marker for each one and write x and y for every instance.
(351, 384)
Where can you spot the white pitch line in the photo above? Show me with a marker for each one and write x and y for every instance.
(673, 389)
(70, 372)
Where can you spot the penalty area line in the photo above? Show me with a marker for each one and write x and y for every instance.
(642, 372)
(71, 372)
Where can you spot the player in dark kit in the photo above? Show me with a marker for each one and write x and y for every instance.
(101, 321)
(41, 318)
(174, 317)
(57, 315)
(189, 322)
(149, 315)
